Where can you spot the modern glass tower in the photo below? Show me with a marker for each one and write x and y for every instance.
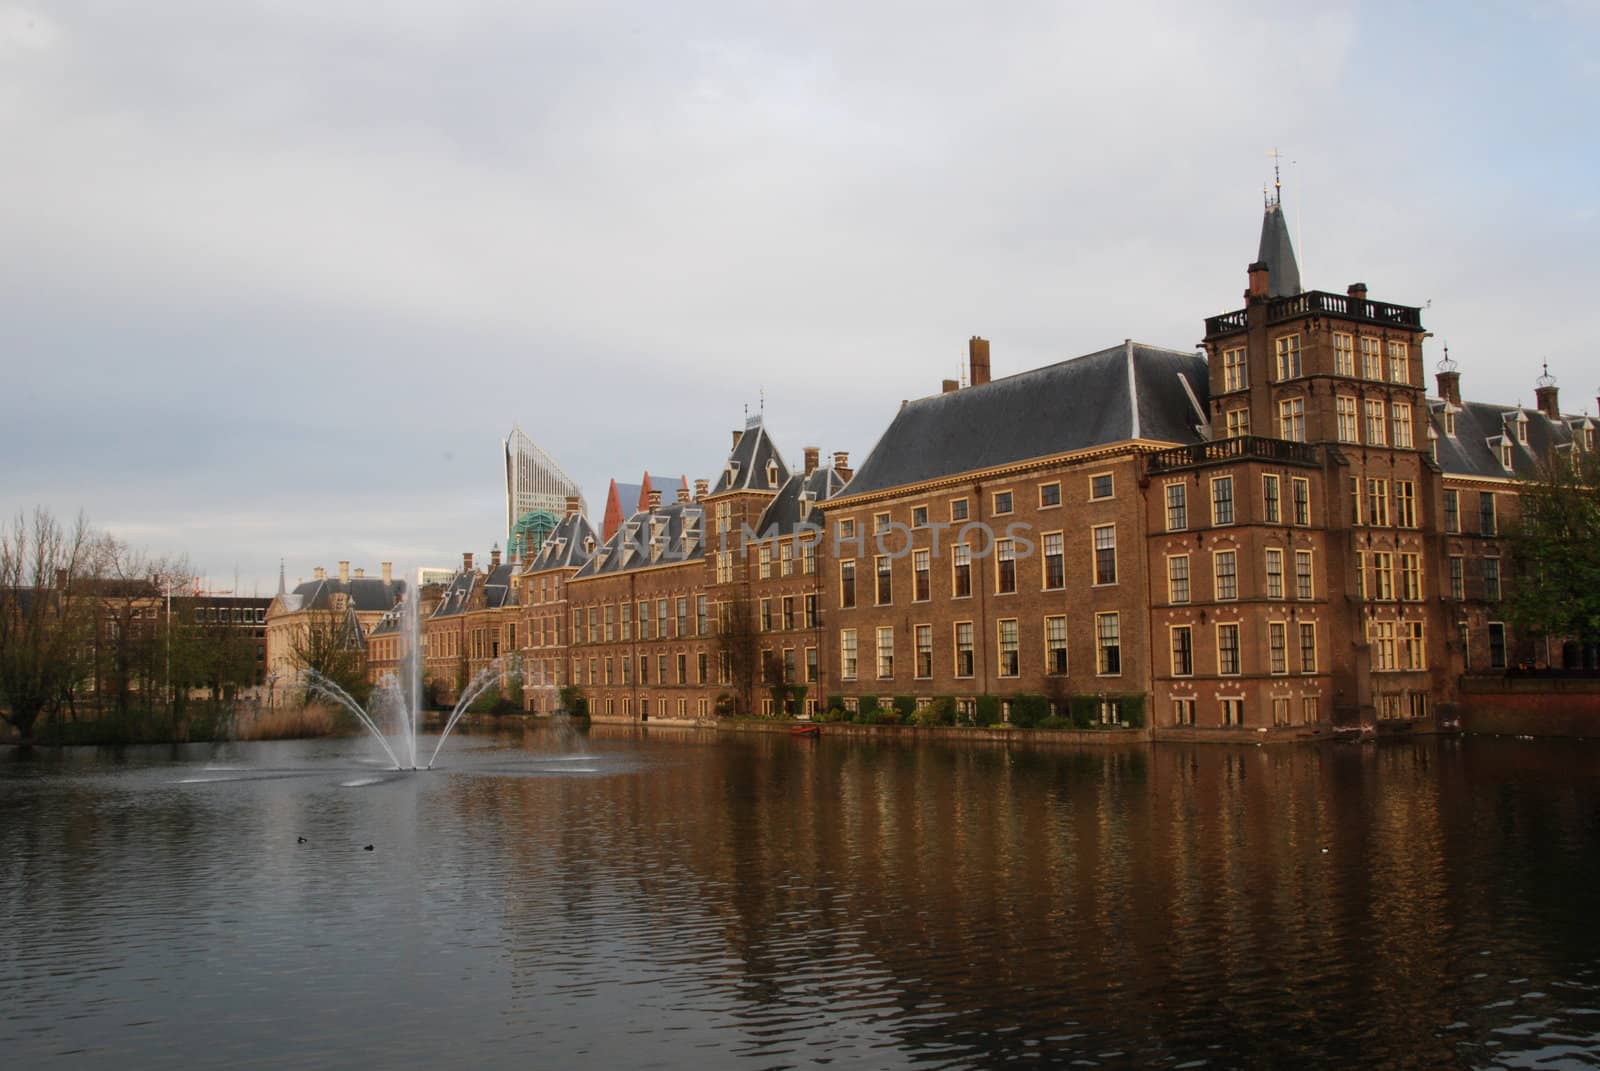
(536, 494)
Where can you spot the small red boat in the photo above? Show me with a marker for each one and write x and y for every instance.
(806, 730)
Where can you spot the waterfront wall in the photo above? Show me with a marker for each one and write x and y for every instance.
(1531, 706)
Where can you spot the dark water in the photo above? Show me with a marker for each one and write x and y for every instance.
(685, 900)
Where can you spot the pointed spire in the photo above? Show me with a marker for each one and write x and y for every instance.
(1277, 253)
(282, 588)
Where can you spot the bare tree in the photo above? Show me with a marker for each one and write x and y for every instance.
(738, 644)
(129, 589)
(331, 646)
(44, 626)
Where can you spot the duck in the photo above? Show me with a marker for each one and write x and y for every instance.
(300, 840)
(368, 848)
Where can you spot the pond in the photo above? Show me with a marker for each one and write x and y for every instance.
(661, 898)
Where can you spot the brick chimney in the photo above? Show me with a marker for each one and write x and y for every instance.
(494, 557)
(466, 561)
(1547, 394)
(1449, 379)
(655, 500)
(949, 386)
(388, 572)
(978, 358)
(1257, 274)
(813, 459)
(344, 572)
(702, 488)
(683, 494)
(361, 574)
(573, 505)
(320, 573)
(841, 463)
(1357, 291)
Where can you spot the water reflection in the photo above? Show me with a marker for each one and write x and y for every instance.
(683, 899)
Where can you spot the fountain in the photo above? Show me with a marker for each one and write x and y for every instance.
(397, 699)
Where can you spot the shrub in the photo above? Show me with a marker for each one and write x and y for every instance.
(944, 709)
(833, 714)
(1133, 710)
(879, 716)
(1055, 721)
(573, 701)
(1027, 711)
(867, 707)
(1085, 711)
(905, 706)
(988, 710)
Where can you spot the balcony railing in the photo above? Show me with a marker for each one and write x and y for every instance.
(1320, 301)
(1238, 448)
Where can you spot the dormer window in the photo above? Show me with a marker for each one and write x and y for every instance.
(1505, 453)
(1450, 422)
(1433, 444)
(772, 472)
(733, 472)
(1522, 428)
(588, 545)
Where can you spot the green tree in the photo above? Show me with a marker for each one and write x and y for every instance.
(45, 627)
(1555, 550)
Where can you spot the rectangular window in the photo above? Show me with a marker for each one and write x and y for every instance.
(1378, 503)
(1269, 498)
(1100, 486)
(683, 615)
(1488, 523)
(919, 516)
(1302, 500)
(610, 627)
(847, 654)
(1280, 710)
(1371, 359)
(1381, 640)
(1288, 351)
(1049, 495)
(1182, 651)
(1105, 554)
(1108, 644)
(1228, 650)
(846, 528)
(1382, 575)
(847, 583)
(1235, 373)
(1399, 363)
(627, 621)
(702, 667)
(808, 559)
(1497, 645)
(1226, 573)
(1055, 571)
(1452, 511)
(880, 523)
(1303, 587)
(1411, 576)
(1183, 711)
(1002, 503)
(1055, 645)
(1491, 579)
(1178, 578)
(1345, 408)
(1222, 500)
(811, 666)
(1405, 503)
(964, 659)
(811, 611)
(924, 636)
(1401, 414)
(788, 612)
(1375, 422)
(1355, 500)
(961, 570)
(885, 652)
(1308, 648)
(1274, 573)
(958, 509)
(1177, 507)
(1413, 653)
(1292, 419)
(1344, 361)
(1278, 646)
(1458, 578)
(702, 619)
(1233, 711)
(920, 564)
(661, 619)
(1005, 566)
(764, 562)
(1008, 648)
(885, 583)
(683, 669)
(1238, 423)
(766, 615)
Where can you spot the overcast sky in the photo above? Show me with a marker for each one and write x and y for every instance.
(277, 278)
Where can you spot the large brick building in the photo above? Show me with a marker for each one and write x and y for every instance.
(1282, 533)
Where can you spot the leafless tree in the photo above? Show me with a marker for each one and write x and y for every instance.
(44, 626)
(738, 644)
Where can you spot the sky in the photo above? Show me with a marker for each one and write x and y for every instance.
(277, 278)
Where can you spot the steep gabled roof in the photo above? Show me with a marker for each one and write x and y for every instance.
(366, 594)
(565, 547)
(1131, 391)
(1277, 253)
(746, 467)
(674, 533)
(457, 594)
(794, 502)
(1480, 426)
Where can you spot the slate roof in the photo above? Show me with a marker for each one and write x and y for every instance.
(367, 594)
(784, 514)
(495, 585)
(673, 533)
(564, 547)
(746, 467)
(1131, 391)
(1479, 426)
(1277, 253)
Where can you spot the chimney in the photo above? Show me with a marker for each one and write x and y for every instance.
(813, 458)
(841, 463)
(320, 573)
(978, 357)
(949, 386)
(655, 500)
(494, 557)
(702, 488)
(1357, 291)
(683, 494)
(573, 505)
(466, 561)
(388, 572)
(344, 572)
(1449, 379)
(1546, 394)
(360, 574)
(1257, 290)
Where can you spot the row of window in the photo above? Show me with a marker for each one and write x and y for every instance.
(1232, 710)
(1108, 649)
(785, 563)
(1489, 571)
(1370, 502)
(1378, 581)
(1225, 576)
(660, 619)
(668, 669)
(223, 615)
(1052, 574)
(1289, 364)
(1384, 424)
(1273, 509)
(1229, 659)
(1488, 513)
(1102, 485)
